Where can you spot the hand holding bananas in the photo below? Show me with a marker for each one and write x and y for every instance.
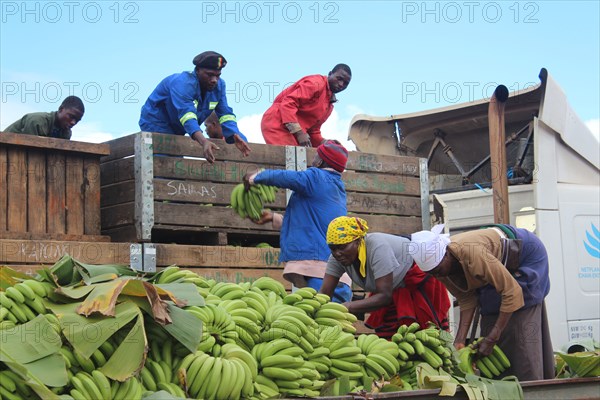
(247, 199)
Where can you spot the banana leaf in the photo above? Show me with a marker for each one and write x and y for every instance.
(86, 334)
(186, 292)
(31, 351)
(9, 277)
(584, 363)
(31, 341)
(68, 271)
(128, 359)
(186, 328)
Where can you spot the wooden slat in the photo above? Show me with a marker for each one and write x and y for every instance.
(183, 145)
(391, 224)
(381, 183)
(122, 192)
(49, 252)
(379, 163)
(204, 193)
(62, 145)
(117, 171)
(17, 189)
(53, 236)
(241, 275)
(217, 256)
(116, 216)
(383, 204)
(74, 195)
(119, 148)
(122, 234)
(55, 178)
(3, 188)
(91, 192)
(193, 215)
(200, 170)
(36, 192)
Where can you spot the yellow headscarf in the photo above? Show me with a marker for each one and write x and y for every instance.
(344, 230)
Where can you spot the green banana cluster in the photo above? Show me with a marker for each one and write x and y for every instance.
(230, 376)
(345, 355)
(490, 366)
(381, 357)
(95, 385)
(335, 314)
(13, 387)
(216, 322)
(22, 302)
(249, 203)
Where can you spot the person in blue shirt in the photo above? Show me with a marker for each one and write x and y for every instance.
(182, 101)
(319, 196)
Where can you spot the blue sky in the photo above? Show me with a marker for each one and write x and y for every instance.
(406, 56)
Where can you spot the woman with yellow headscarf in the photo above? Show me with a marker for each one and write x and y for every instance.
(381, 263)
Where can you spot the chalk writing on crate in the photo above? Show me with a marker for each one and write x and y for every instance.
(190, 189)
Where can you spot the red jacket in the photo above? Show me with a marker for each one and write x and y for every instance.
(307, 102)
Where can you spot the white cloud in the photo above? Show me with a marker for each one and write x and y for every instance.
(594, 126)
(90, 132)
(12, 112)
(250, 126)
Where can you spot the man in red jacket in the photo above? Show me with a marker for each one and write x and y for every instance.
(296, 116)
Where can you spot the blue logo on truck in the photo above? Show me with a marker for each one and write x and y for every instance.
(593, 242)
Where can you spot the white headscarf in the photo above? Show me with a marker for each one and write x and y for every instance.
(428, 247)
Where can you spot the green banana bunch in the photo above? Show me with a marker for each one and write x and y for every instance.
(249, 203)
(381, 356)
(421, 345)
(12, 386)
(216, 322)
(489, 366)
(268, 284)
(96, 385)
(22, 302)
(335, 314)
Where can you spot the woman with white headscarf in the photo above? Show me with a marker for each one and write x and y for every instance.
(504, 271)
(381, 264)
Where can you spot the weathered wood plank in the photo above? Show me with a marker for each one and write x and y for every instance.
(48, 252)
(74, 196)
(122, 192)
(378, 163)
(36, 192)
(116, 171)
(383, 204)
(204, 192)
(91, 192)
(217, 256)
(381, 183)
(17, 189)
(53, 236)
(3, 188)
(185, 146)
(241, 275)
(391, 224)
(122, 234)
(194, 215)
(55, 180)
(17, 139)
(119, 148)
(116, 216)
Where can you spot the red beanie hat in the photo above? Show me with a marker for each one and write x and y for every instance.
(334, 154)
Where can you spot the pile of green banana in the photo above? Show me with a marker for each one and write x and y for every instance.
(415, 344)
(381, 359)
(22, 302)
(490, 366)
(249, 203)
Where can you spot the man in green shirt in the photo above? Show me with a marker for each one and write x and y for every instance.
(55, 124)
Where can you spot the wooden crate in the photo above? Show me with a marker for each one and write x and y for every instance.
(222, 263)
(157, 188)
(49, 188)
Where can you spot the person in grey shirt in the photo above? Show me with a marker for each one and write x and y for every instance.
(382, 264)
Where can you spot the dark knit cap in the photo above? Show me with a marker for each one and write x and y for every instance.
(210, 60)
(334, 154)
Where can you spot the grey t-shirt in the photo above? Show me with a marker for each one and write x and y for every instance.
(385, 253)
